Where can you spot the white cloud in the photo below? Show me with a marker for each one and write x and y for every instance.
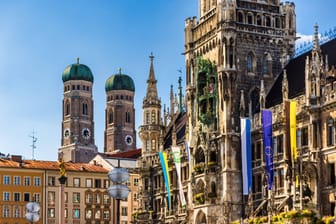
(302, 38)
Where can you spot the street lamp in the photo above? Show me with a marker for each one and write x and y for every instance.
(118, 190)
(33, 209)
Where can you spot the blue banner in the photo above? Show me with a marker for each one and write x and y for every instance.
(267, 137)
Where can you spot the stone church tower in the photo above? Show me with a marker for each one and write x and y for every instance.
(120, 134)
(229, 50)
(78, 143)
(150, 133)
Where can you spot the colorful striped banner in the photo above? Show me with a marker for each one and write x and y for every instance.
(164, 164)
(177, 159)
(245, 137)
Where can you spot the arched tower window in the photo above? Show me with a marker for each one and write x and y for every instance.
(128, 117)
(147, 119)
(85, 109)
(153, 144)
(67, 108)
(110, 117)
(153, 117)
(147, 145)
(331, 131)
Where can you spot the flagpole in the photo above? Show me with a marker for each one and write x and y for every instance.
(300, 179)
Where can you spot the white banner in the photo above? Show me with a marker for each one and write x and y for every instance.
(177, 160)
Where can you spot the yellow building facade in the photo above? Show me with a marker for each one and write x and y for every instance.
(86, 199)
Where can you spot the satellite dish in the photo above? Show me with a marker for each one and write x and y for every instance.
(32, 217)
(33, 207)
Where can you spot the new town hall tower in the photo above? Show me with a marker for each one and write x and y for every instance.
(234, 47)
(233, 53)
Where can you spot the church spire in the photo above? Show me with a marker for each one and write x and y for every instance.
(151, 92)
(316, 39)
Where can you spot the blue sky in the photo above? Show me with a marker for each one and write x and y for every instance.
(39, 38)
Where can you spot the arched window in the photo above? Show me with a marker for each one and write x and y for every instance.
(67, 108)
(240, 17)
(85, 109)
(264, 66)
(254, 99)
(110, 117)
(268, 21)
(153, 144)
(277, 23)
(128, 117)
(147, 117)
(331, 131)
(250, 18)
(147, 145)
(153, 117)
(259, 21)
(231, 53)
(250, 62)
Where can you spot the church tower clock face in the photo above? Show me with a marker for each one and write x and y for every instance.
(86, 134)
(66, 133)
(128, 140)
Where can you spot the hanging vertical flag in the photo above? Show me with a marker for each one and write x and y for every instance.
(292, 120)
(245, 137)
(267, 137)
(187, 150)
(177, 160)
(164, 164)
(287, 136)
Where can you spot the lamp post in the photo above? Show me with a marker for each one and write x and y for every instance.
(33, 210)
(62, 179)
(118, 190)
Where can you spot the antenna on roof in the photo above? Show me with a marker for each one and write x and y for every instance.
(33, 146)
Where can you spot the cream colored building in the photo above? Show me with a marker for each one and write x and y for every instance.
(128, 160)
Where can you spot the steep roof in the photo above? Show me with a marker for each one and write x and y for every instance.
(131, 154)
(296, 75)
(180, 125)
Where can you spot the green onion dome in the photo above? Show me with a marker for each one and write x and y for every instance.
(119, 82)
(77, 72)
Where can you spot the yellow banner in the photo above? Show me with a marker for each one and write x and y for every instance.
(292, 123)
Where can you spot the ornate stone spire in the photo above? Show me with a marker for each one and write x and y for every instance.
(180, 94)
(316, 39)
(172, 99)
(151, 93)
(242, 104)
(262, 95)
(284, 86)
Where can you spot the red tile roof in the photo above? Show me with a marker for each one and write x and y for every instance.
(131, 154)
(51, 165)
